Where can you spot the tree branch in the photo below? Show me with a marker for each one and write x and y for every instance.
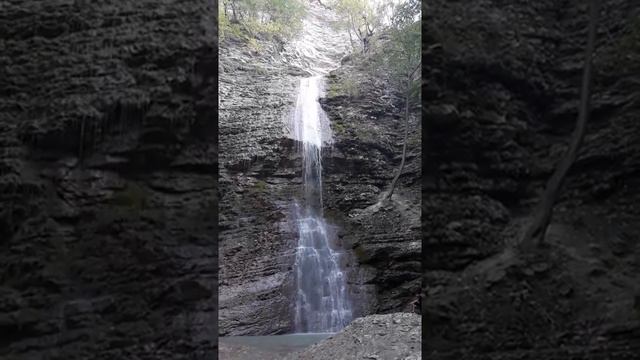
(415, 69)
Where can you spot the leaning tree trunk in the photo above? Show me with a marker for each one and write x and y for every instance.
(365, 44)
(536, 230)
(404, 145)
(353, 47)
(234, 13)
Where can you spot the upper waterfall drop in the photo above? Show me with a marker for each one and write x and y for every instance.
(322, 303)
(310, 125)
(321, 300)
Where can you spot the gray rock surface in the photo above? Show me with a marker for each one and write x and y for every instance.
(384, 236)
(395, 336)
(259, 173)
(244, 352)
(107, 179)
(255, 240)
(502, 83)
(260, 177)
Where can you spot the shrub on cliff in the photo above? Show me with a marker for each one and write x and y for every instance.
(251, 19)
(133, 196)
(627, 48)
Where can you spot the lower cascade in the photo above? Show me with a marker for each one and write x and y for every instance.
(322, 304)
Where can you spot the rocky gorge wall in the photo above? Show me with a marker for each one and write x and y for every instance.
(385, 236)
(260, 176)
(107, 179)
(257, 172)
(501, 100)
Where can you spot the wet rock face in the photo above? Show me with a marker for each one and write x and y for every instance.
(260, 178)
(383, 238)
(390, 336)
(107, 179)
(502, 90)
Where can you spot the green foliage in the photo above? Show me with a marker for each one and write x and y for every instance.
(405, 13)
(133, 196)
(360, 19)
(250, 20)
(254, 45)
(355, 13)
(360, 254)
(399, 55)
(345, 86)
(338, 128)
(367, 134)
(627, 49)
(260, 186)
(632, 40)
(223, 23)
(414, 140)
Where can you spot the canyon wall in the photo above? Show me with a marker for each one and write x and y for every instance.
(260, 178)
(108, 179)
(501, 100)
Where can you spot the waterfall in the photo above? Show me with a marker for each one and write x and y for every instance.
(322, 304)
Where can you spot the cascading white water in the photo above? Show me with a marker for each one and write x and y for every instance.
(322, 304)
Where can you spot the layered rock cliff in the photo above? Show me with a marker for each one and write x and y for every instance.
(384, 235)
(260, 177)
(257, 172)
(501, 90)
(107, 179)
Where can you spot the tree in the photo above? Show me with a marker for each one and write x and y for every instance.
(404, 61)
(535, 232)
(360, 19)
(410, 76)
(256, 18)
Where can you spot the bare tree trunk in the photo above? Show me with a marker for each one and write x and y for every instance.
(353, 47)
(233, 10)
(406, 133)
(537, 228)
(353, 26)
